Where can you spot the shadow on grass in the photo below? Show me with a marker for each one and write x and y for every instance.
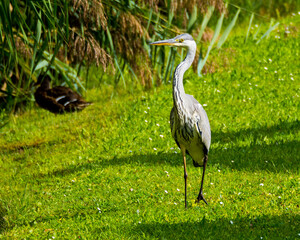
(264, 227)
(272, 158)
(257, 134)
(276, 157)
(3, 223)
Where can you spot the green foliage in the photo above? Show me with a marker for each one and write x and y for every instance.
(39, 36)
(113, 171)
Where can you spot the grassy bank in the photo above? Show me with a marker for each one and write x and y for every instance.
(114, 172)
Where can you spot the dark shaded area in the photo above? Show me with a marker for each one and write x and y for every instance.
(272, 158)
(3, 223)
(268, 227)
(21, 147)
(276, 157)
(257, 133)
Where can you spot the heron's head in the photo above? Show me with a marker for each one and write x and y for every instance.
(183, 40)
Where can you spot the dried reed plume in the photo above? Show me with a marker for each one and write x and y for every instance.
(87, 49)
(90, 12)
(22, 48)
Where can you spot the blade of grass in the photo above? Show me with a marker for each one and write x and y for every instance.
(192, 20)
(256, 33)
(201, 63)
(115, 55)
(205, 21)
(228, 30)
(249, 27)
(36, 43)
(272, 28)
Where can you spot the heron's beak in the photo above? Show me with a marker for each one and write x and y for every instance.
(168, 42)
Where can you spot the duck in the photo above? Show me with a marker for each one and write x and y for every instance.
(58, 99)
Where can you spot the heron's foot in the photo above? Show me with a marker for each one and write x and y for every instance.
(200, 197)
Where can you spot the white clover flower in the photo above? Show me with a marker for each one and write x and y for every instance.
(231, 222)
(204, 105)
(261, 184)
(157, 124)
(145, 111)
(150, 138)
(166, 191)
(265, 68)
(178, 190)
(146, 121)
(221, 203)
(161, 136)
(154, 149)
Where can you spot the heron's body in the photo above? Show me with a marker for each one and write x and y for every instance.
(188, 133)
(189, 122)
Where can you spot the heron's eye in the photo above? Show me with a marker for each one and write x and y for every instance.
(181, 40)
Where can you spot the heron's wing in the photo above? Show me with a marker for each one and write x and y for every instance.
(172, 121)
(202, 122)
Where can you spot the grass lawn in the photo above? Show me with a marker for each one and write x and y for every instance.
(113, 171)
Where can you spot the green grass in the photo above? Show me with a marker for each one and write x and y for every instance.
(113, 171)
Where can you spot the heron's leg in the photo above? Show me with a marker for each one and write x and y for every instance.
(200, 196)
(185, 175)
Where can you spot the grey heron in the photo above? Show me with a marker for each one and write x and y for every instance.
(189, 122)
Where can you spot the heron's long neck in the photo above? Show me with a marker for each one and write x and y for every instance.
(178, 90)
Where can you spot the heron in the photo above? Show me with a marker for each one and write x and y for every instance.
(188, 120)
